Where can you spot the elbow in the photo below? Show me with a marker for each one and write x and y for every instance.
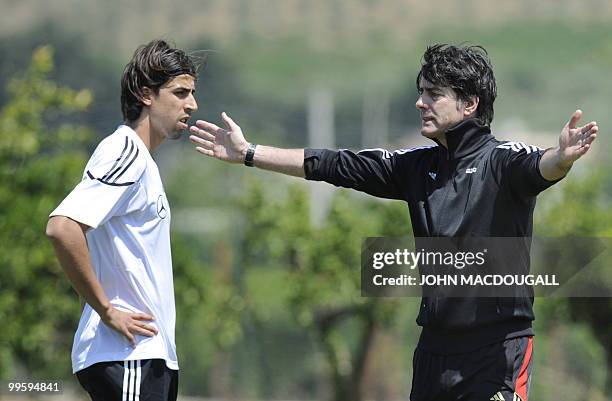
(53, 230)
(60, 227)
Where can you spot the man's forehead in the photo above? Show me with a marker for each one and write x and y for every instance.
(425, 84)
(181, 81)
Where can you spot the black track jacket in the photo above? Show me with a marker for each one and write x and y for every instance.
(478, 187)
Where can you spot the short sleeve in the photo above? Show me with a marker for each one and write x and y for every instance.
(110, 185)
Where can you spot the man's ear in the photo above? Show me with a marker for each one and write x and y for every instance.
(471, 106)
(147, 94)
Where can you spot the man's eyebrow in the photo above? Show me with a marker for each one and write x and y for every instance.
(431, 88)
(183, 87)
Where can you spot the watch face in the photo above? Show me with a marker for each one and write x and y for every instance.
(248, 159)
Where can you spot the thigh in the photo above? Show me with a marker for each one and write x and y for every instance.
(470, 376)
(139, 380)
(428, 375)
(500, 372)
(157, 381)
(103, 381)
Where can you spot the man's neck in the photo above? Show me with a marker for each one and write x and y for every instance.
(142, 127)
(442, 140)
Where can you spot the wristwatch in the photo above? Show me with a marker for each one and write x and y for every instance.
(248, 159)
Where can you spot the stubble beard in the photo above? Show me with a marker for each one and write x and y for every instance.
(175, 134)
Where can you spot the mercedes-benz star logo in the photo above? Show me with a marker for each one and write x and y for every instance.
(161, 208)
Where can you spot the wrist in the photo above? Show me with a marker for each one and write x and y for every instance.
(250, 155)
(561, 161)
(106, 312)
(243, 151)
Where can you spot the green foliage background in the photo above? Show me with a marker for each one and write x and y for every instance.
(268, 303)
(40, 160)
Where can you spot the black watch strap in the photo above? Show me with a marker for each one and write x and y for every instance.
(248, 159)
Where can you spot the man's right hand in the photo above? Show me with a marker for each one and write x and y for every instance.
(226, 144)
(129, 324)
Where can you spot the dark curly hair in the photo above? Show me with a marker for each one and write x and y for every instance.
(465, 69)
(151, 66)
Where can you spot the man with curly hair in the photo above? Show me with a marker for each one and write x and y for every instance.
(468, 184)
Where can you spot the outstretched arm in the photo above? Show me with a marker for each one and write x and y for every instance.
(574, 142)
(373, 171)
(228, 144)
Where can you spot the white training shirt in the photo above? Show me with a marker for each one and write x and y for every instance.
(122, 198)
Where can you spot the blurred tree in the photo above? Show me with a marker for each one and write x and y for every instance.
(40, 161)
(321, 274)
(583, 211)
(76, 64)
(208, 312)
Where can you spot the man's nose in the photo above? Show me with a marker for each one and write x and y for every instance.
(192, 104)
(419, 103)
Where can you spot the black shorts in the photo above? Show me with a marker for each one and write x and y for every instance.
(496, 372)
(143, 380)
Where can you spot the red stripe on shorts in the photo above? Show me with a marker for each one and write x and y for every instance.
(520, 386)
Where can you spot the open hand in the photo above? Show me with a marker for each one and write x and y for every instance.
(226, 144)
(575, 141)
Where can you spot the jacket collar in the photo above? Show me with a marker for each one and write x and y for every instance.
(464, 138)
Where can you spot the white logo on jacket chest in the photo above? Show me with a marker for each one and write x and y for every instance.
(432, 175)
(471, 170)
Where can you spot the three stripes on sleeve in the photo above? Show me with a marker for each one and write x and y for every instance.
(120, 166)
(518, 146)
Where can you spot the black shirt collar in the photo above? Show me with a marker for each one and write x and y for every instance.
(464, 138)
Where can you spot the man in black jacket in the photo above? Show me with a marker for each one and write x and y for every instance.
(468, 184)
